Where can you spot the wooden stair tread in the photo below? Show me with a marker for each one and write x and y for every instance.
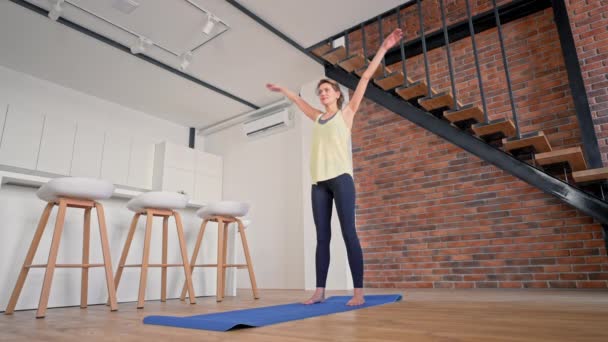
(538, 141)
(573, 156)
(391, 81)
(504, 126)
(321, 50)
(414, 90)
(378, 73)
(465, 113)
(352, 62)
(442, 100)
(591, 175)
(335, 55)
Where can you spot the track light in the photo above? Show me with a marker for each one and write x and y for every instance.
(56, 10)
(141, 45)
(211, 21)
(186, 60)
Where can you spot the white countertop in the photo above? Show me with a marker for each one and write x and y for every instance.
(17, 178)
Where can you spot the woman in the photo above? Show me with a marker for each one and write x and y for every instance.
(332, 171)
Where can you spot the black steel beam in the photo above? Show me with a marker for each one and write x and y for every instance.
(577, 85)
(579, 199)
(127, 49)
(481, 22)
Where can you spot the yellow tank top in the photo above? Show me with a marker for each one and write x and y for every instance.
(330, 153)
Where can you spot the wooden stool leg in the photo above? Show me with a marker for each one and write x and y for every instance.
(50, 267)
(107, 258)
(163, 282)
(31, 252)
(224, 257)
(86, 236)
(197, 246)
(182, 247)
(254, 286)
(144, 262)
(220, 259)
(125, 252)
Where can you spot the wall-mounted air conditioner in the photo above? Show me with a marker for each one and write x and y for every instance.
(270, 122)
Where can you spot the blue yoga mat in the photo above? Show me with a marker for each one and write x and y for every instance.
(224, 321)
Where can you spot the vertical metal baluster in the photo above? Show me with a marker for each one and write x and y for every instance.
(403, 59)
(479, 80)
(380, 39)
(506, 65)
(423, 39)
(364, 44)
(346, 43)
(449, 55)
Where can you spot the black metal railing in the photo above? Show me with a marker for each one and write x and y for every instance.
(538, 177)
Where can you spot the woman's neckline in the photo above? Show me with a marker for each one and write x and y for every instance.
(321, 120)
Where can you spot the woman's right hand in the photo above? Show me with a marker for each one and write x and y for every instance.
(274, 87)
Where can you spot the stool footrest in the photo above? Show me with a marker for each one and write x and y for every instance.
(154, 265)
(225, 265)
(66, 265)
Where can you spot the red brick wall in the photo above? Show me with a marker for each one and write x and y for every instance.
(431, 215)
(589, 22)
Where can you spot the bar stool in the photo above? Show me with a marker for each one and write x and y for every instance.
(224, 213)
(68, 192)
(162, 204)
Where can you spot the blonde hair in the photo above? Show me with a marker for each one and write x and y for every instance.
(335, 86)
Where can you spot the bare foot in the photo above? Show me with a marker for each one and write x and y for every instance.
(317, 297)
(358, 298)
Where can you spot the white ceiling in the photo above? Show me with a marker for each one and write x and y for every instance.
(240, 61)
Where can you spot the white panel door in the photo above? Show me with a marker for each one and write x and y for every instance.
(207, 188)
(21, 139)
(209, 164)
(115, 159)
(141, 164)
(88, 149)
(180, 157)
(57, 146)
(3, 110)
(178, 180)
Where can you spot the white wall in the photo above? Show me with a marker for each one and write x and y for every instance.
(45, 97)
(266, 172)
(20, 209)
(272, 173)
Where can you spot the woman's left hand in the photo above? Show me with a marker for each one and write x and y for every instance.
(392, 39)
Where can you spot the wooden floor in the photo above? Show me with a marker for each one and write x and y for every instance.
(423, 315)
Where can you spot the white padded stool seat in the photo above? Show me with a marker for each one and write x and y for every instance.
(158, 200)
(223, 208)
(77, 188)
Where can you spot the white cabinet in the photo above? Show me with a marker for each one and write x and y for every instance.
(179, 168)
(179, 157)
(141, 164)
(178, 180)
(115, 158)
(88, 149)
(208, 179)
(207, 188)
(56, 147)
(21, 138)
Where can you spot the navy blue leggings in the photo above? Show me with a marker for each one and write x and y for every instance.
(342, 190)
